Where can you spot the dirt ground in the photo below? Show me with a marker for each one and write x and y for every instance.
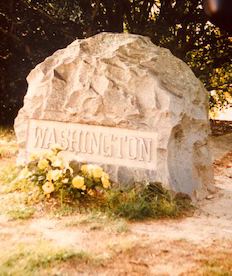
(197, 245)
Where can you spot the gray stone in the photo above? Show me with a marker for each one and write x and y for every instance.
(121, 85)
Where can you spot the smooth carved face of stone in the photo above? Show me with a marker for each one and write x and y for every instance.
(106, 145)
(121, 102)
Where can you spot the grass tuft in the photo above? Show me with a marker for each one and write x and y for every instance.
(8, 182)
(98, 220)
(152, 201)
(8, 144)
(21, 212)
(34, 260)
(7, 133)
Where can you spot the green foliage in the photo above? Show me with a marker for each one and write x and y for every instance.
(144, 201)
(7, 133)
(34, 260)
(32, 30)
(10, 183)
(83, 188)
(21, 212)
(7, 176)
(150, 201)
(55, 177)
(8, 145)
(29, 32)
(66, 210)
(4, 153)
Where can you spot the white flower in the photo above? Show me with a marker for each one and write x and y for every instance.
(43, 164)
(58, 162)
(54, 175)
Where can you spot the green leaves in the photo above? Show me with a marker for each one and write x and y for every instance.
(152, 201)
(31, 30)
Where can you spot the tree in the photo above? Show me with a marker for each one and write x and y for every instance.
(31, 30)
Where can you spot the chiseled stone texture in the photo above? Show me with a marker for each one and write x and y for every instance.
(125, 81)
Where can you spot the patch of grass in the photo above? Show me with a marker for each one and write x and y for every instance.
(8, 175)
(12, 200)
(21, 212)
(144, 201)
(98, 220)
(8, 145)
(218, 264)
(16, 195)
(7, 133)
(9, 182)
(16, 191)
(8, 150)
(5, 152)
(121, 226)
(66, 210)
(34, 260)
(152, 201)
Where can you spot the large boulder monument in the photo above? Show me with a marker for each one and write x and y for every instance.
(119, 101)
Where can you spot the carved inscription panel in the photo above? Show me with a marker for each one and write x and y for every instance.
(96, 144)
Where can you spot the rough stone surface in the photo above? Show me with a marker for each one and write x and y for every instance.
(125, 81)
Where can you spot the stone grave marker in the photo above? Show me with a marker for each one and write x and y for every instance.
(119, 101)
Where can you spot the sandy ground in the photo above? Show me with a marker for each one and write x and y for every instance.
(151, 247)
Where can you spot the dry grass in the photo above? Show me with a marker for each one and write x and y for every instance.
(8, 144)
(125, 249)
(39, 259)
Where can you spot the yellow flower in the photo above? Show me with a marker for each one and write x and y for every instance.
(105, 183)
(91, 192)
(49, 175)
(97, 172)
(33, 157)
(94, 170)
(105, 175)
(79, 182)
(84, 169)
(48, 187)
(54, 175)
(24, 173)
(105, 180)
(43, 164)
